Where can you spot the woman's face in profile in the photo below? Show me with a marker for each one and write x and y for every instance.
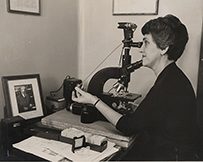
(151, 54)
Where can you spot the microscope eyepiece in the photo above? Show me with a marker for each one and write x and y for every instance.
(137, 44)
(126, 25)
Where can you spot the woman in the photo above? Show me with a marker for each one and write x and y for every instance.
(168, 112)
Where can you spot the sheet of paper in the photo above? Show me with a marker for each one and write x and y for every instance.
(59, 151)
(40, 147)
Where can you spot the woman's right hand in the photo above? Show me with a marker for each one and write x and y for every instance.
(83, 97)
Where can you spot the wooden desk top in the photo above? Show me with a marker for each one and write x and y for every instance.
(65, 119)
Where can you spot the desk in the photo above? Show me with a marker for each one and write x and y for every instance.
(39, 128)
(65, 119)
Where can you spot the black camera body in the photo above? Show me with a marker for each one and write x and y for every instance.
(128, 29)
(69, 85)
(88, 112)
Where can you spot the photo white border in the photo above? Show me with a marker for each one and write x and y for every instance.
(36, 92)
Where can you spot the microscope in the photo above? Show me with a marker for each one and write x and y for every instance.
(120, 99)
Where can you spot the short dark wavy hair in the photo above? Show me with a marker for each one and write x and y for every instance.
(168, 31)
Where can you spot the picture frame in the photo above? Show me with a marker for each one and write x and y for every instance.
(23, 96)
(135, 7)
(24, 6)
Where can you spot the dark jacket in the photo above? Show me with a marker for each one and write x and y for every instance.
(168, 114)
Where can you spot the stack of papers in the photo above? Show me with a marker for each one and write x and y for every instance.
(59, 151)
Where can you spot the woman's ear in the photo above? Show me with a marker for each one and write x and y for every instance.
(164, 51)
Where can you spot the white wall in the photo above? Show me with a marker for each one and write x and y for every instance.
(52, 43)
(99, 36)
(45, 44)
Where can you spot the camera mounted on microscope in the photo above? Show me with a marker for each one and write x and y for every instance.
(128, 29)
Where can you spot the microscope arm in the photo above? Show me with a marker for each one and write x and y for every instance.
(97, 82)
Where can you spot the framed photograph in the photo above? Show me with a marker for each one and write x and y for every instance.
(24, 6)
(23, 96)
(135, 7)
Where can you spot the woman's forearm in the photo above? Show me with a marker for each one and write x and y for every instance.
(110, 114)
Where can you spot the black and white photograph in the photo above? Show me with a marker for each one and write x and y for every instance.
(125, 77)
(25, 98)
